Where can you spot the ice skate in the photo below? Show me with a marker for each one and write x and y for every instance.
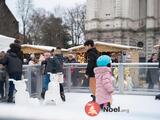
(93, 98)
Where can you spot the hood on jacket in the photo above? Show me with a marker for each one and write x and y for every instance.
(16, 48)
(100, 70)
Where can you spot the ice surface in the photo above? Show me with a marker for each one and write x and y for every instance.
(140, 108)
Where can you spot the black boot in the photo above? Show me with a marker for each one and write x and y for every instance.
(10, 99)
(157, 97)
(101, 106)
(94, 98)
(1, 96)
(43, 93)
(109, 105)
(63, 96)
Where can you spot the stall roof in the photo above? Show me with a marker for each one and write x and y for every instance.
(5, 42)
(157, 46)
(49, 48)
(107, 44)
(41, 47)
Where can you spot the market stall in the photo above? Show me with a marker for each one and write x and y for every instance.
(117, 51)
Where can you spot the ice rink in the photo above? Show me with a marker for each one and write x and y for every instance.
(140, 108)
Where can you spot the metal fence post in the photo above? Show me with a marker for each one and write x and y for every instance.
(39, 82)
(29, 79)
(68, 76)
(121, 77)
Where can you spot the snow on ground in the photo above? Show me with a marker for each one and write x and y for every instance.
(140, 108)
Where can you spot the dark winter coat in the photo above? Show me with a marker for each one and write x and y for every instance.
(52, 65)
(60, 58)
(152, 74)
(13, 63)
(92, 55)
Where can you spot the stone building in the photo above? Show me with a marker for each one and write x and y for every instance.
(8, 23)
(128, 22)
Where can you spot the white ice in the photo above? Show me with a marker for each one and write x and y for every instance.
(140, 108)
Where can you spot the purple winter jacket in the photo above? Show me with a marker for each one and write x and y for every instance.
(104, 86)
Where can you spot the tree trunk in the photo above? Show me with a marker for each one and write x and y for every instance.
(24, 33)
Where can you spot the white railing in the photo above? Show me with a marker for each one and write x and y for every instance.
(75, 80)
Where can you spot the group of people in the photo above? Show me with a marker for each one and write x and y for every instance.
(100, 77)
(98, 71)
(99, 74)
(11, 64)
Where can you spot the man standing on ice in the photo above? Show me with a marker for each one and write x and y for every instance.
(13, 65)
(52, 65)
(92, 55)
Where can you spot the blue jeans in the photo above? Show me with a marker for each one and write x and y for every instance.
(46, 80)
(15, 76)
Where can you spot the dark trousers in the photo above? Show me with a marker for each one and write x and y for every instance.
(61, 87)
(46, 81)
(151, 85)
(15, 76)
(2, 87)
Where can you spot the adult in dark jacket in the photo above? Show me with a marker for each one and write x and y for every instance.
(14, 68)
(152, 73)
(52, 65)
(92, 55)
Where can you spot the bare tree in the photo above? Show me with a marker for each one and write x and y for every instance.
(46, 29)
(36, 21)
(24, 8)
(75, 19)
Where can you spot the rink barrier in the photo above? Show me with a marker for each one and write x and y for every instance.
(34, 76)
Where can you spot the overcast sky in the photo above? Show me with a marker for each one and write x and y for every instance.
(49, 5)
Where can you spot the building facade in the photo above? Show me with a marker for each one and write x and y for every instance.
(8, 23)
(128, 22)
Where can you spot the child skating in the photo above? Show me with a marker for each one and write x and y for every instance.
(104, 78)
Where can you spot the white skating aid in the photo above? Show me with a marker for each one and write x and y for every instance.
(21, 96)
(52, 95)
